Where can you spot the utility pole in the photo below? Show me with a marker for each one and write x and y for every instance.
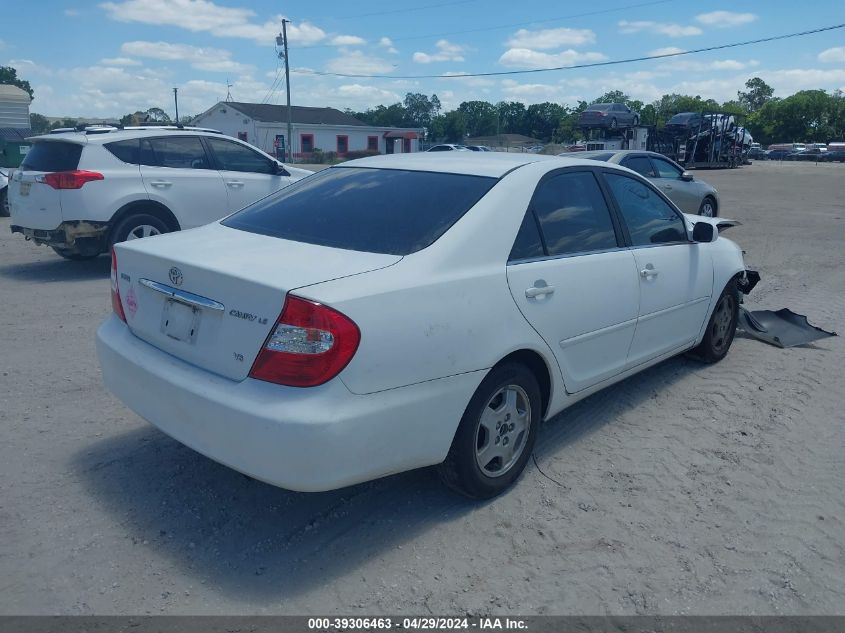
(176, 101)
(289, 144)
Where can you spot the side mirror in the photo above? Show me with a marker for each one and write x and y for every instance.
(279, 170)
(687, 177)
(704, 232)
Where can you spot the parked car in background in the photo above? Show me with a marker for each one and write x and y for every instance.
(608, 115)
(809, 154)
(478, 148)
(757, 153)
(833, 155)
(778, 154)
(82, 192)
(680, 186)
(383, 356)
(449, 147)
(684, 123)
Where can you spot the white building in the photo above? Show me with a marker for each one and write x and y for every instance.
(265, 126)
(14, 107)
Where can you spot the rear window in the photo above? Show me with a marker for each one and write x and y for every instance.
(388, 211)
(52, 156)
(603, 157)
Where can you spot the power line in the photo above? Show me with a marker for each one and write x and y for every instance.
(511, 25)
(613, 62)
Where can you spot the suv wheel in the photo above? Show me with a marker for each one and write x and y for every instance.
(137, 226)
(496, 435)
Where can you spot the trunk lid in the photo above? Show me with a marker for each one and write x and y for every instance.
(211, 295)
(33, 203)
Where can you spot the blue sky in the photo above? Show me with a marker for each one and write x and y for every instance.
(108, 58)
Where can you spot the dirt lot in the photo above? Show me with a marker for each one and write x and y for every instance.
(686, 489)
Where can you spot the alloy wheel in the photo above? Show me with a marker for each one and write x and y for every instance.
(722, 321)
(502, 431)
(142, 230)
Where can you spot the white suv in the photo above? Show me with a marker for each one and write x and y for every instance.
(80, 192)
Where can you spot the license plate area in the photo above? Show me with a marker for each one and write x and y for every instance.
(25, 187)
(180, 321)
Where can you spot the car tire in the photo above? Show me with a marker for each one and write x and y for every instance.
(708, 208)
(721, 328)
(613, 123)
(4, 203)
(136, 226)
(74, 257)
(506, 409)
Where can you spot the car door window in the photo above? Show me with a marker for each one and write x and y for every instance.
(573, 215)
(178, 152)
(528, 244)
(665, 169)
(233, 156)
(649, 218)
(639, 164)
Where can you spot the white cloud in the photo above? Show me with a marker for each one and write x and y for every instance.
(387, 43)
(475, 82)
(119, 61)
(368, 93)
(536, 92)
(71, 13)
(358, 63)
(28, 67)
(526, 58)
(206, 16)
(667, 50)
(210, 59)
(661, 28)
(834, 55)
(725, 19)
(446, 52)
(348, 40)
(551, 38)
(699, 66)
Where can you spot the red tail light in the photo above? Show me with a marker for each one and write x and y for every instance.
(116, 305)
(71, 179)
(309, 345)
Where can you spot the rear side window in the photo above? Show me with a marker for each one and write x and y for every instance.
(232, 156)
(649, 218)
(639, 164)
(127, 151)
(528, 243)
(179, 152)
(52, 156)
(573, 215)
(388, 211)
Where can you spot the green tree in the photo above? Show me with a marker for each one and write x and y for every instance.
(157, 115)
(9, 76)
(64, 123)
(420, 109)
(543, 119)
(38, 123)
(758, 93)
(454, 126)
(511, 117)
(479, 117)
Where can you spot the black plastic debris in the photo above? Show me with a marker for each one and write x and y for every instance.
(782, 328)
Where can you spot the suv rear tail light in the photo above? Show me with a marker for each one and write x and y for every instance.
(116, 305)
(309, 345)
(71, 179)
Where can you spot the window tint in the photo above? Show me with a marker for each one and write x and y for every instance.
(649, 219)
(639, 164)
(665, 169)
(374, 210)
(440, 148)
(235, 157)
(182, 152)
(127, 151)
(573, 215)
(52, 156)
(528, 243)
(603, 157)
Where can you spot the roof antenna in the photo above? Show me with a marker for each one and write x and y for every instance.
(228, 90)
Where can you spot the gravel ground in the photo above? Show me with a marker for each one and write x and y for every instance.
(686, 489)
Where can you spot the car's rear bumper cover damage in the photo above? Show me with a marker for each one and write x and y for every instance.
(79, 237)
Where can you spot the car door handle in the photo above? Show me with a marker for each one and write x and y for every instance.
(648, 271)
(235, 183)
(161, 183)
(539, 291)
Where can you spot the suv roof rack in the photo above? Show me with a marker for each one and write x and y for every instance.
(104, 128)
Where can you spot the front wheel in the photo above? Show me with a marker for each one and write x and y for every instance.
(496, 434)
(721, 328)
(708, 208)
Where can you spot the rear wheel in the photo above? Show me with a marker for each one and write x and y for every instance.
(721, 328)
(708, 208)
(137, 226)
(496, 435)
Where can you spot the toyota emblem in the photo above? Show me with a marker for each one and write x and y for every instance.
(175, 276)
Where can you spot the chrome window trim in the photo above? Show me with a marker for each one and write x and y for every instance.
(531, 260)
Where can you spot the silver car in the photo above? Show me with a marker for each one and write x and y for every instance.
(681, 187)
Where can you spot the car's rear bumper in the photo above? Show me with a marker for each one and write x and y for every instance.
(306, 439)
(79, 236)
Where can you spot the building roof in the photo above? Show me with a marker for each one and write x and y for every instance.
(13, 93)
(271, 113)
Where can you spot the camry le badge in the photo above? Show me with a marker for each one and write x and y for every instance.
(175, 276)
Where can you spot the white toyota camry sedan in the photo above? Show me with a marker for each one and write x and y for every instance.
(403, 311)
